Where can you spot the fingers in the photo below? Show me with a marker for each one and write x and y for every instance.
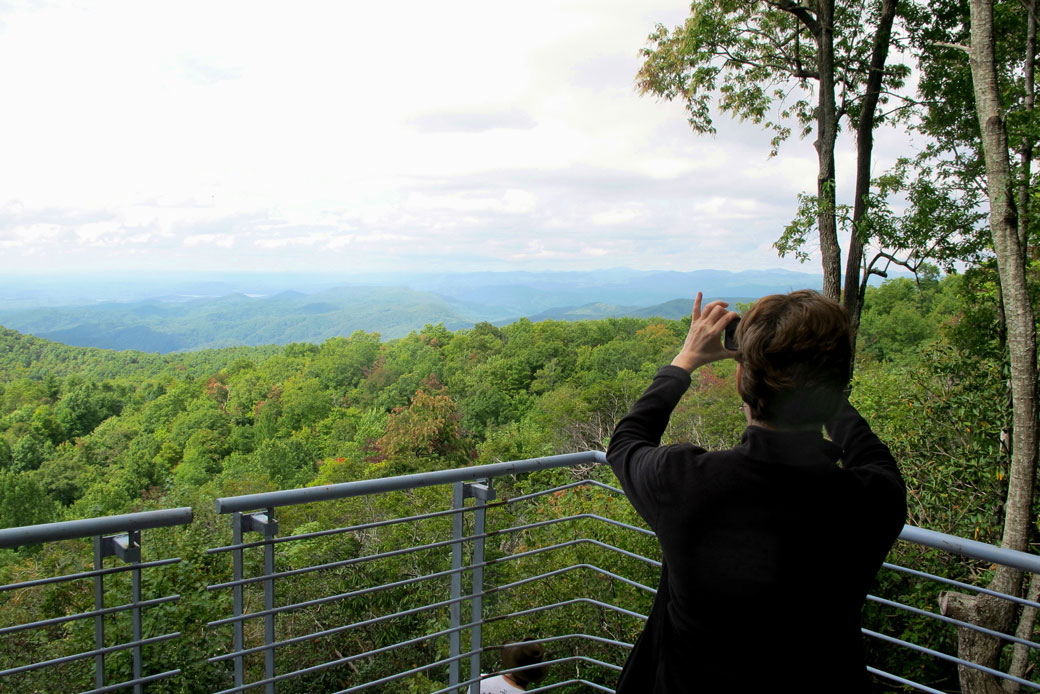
(698, 313)
(716, 313)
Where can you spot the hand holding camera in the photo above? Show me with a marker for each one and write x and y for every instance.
(703, 343)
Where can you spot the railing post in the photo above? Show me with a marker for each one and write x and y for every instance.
(134, 540)
(455, 609)
(482, 493)
(270, 530)
(236, 595)
(266, 525)
(128, 548)
(99, 620)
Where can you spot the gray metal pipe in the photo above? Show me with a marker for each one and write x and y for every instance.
(92, 527)
(290, 497)
(971, 548)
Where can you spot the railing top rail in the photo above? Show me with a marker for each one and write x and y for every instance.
(90, 527)
(971, 548)
(291, 497)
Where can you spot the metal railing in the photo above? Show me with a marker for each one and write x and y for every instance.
(418, 580)
(475, 483)
(113, 536)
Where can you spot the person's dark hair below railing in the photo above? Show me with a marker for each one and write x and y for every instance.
(523, 660)
(768, 547)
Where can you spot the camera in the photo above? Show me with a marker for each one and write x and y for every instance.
(729, 337)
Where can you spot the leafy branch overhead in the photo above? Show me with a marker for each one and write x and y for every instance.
(784, 65)
(758, 62)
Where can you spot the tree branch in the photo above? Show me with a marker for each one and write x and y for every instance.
(956, 46)
(802, 13)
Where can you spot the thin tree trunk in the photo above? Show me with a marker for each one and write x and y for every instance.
(853, 298)
(826, 133)
(1025, 152)
(1020, 661)
(985, 610)
(1027, 620)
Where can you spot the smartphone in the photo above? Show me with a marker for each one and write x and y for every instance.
(729, 337)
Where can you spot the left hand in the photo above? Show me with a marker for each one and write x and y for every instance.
(703, 343)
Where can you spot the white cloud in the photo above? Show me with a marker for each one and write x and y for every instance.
(216, 240)
(615, 216)
(141, 133)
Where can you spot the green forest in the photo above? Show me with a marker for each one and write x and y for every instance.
(86, 432)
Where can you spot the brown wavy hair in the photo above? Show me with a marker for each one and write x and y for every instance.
(795, 354)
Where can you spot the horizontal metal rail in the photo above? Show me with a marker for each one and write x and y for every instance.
(424, 516)
(558, 661)
(371, 589)
(86, 615)
(88, 654)
(92, 527)
(557, 685)
(134, 682)
(88, 574)
(961, 584)
(951, 620)
(953, 659)
(971, 548)
(437, 545)
(903, 681)
(292, 497)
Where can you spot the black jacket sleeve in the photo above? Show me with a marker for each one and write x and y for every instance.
(869, 459)
(634, 452)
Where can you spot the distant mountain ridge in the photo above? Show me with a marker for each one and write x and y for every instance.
(269, 313)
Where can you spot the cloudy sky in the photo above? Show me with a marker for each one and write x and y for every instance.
(361, 136)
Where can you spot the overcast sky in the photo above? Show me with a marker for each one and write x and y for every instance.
(370, 136)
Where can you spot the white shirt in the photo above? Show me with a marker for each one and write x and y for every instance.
(498, 685)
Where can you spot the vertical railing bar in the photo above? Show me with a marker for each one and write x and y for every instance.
(99, 620)
(269, 601)
(455, 610)
(134, 539)
(477, 605)
(236, 593)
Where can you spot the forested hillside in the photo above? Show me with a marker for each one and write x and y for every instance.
(87, 432)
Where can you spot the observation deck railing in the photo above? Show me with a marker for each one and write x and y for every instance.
(113, 536)
(360, 596)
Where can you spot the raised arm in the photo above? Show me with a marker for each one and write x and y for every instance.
(635, 451)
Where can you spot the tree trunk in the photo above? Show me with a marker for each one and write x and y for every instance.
(1025, 152)
(1003, 222)
(826, 133)
(984, 610)
(853, 297)
(1027, 620)
(1020, 661)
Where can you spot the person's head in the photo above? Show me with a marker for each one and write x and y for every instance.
(521, 654)
(795, 355)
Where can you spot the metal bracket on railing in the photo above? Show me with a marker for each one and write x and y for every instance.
(259, 523)
(478, 490)
(126, 546)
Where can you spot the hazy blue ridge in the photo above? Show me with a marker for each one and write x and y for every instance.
(262, 310)
(240, 320)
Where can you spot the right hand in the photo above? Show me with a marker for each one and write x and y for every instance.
(703, 343)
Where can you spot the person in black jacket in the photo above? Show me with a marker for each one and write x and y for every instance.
(769, 547)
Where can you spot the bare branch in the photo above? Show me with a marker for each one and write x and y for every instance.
(956, 46)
